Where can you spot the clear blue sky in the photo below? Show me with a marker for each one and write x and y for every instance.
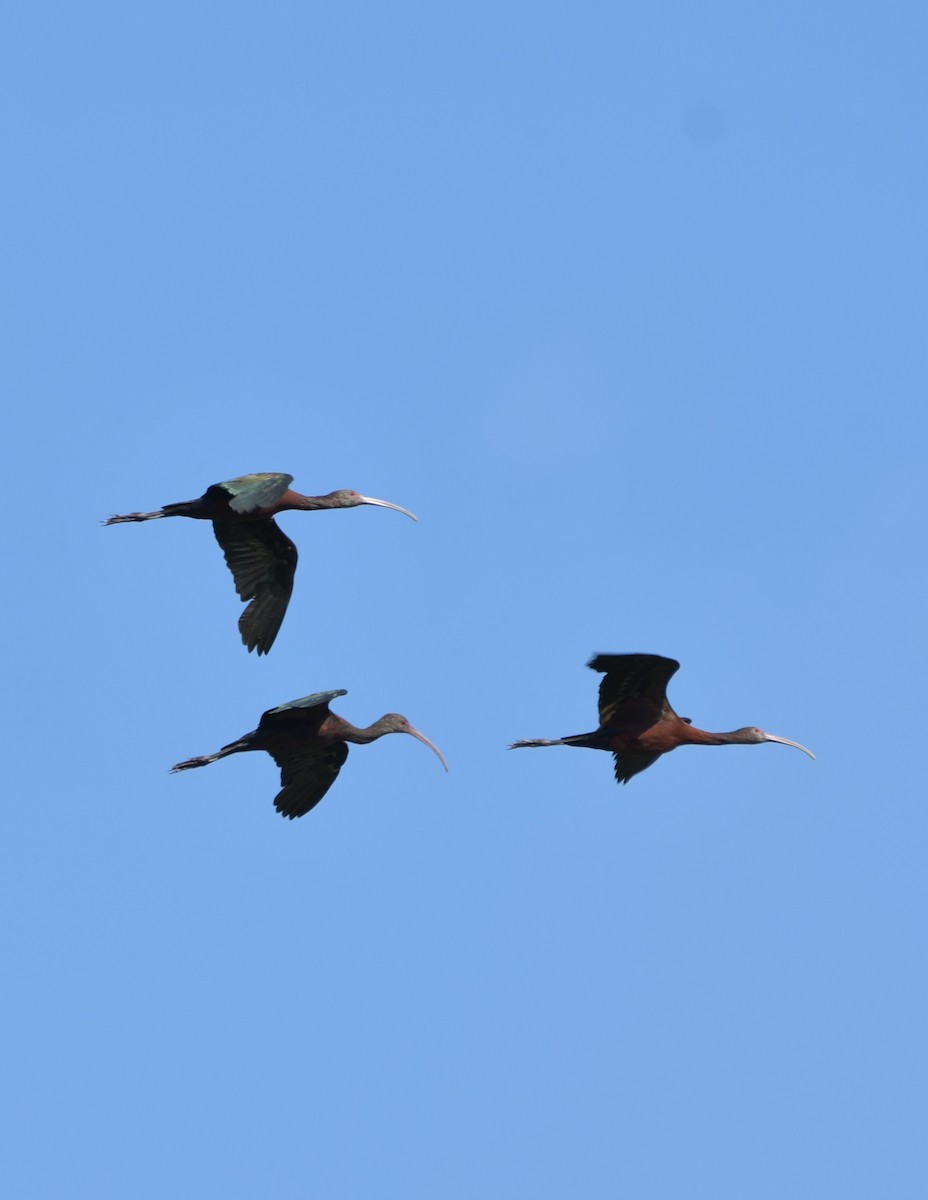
(628, 304)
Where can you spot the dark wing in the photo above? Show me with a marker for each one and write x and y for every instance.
(309, 711)
(635, 682)
(627, 765)
(251, 492)
(262, 560)
(306, 776)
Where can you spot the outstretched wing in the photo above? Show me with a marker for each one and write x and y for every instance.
(262, 560)
(308, 711)
(636, 683)
(306, 776)
(627, 765)
(251, 492)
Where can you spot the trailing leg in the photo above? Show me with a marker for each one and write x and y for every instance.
(205, 759)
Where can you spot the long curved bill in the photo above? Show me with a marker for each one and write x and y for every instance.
(431, 745)
(772, 737)
(387, 504)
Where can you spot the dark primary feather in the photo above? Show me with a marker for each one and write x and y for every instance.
(306, 772)
(262, 560)
(629, 764)
(637, 682)
(306, 776)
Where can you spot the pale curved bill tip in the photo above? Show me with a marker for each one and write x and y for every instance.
(771, 737)
(387, 504)
(431, 745)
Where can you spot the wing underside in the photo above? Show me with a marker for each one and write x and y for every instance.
(306, 777)
(263, 561)
(633, 685)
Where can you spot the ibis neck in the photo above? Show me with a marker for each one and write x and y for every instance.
(360, 737)
(295, 500)
(702, 737)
